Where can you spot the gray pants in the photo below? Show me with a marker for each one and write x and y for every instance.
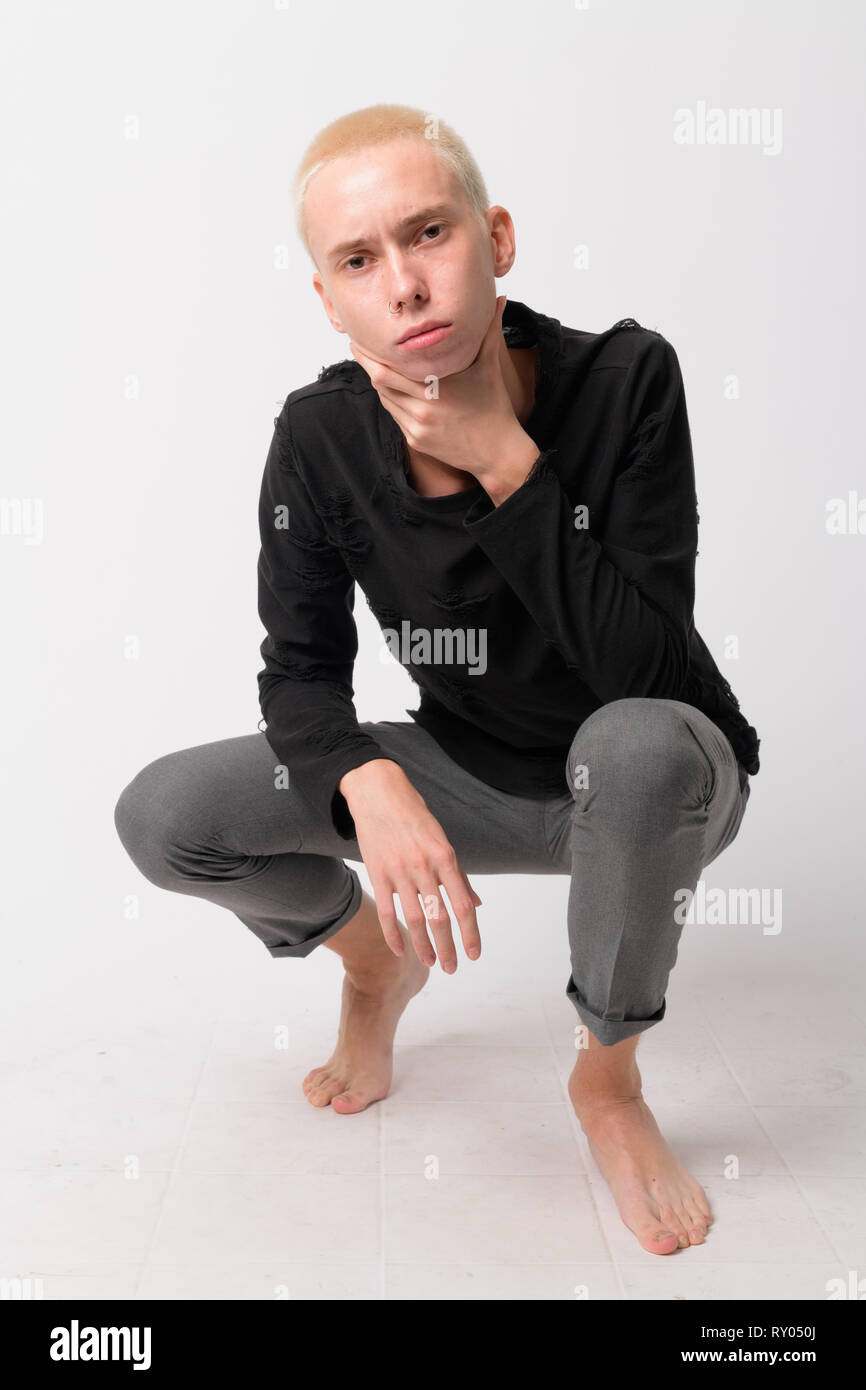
(664, 796)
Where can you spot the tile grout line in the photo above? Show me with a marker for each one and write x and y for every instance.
(174, 1168)
(578, 1134)
(752, 1111)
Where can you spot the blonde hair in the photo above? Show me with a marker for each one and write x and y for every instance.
(376, 125)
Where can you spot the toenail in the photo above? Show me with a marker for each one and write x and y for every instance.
(684, 1240)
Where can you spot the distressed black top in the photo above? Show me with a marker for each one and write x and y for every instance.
(515, 621)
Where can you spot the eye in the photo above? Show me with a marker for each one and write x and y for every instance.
(433, 227)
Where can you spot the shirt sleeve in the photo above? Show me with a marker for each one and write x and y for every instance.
(305, 602)
(615, 598)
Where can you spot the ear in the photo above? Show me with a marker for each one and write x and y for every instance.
(333, 317)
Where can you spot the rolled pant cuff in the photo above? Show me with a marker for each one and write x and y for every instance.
(609, 1031)
(309, 944)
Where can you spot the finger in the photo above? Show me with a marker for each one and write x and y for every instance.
(460, 896)
(364, 359)
(416, 922)
(439, 924)
(384, 896)
(385, 378)
(399, 405)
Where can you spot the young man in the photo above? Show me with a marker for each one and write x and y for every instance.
(516, 499)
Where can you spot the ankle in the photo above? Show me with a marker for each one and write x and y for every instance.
(595, 1083)
(378, 969)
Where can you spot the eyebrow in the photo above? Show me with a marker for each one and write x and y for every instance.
(423, 215)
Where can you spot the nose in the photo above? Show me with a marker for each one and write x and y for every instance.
(402, 285)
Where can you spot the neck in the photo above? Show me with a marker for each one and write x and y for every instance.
(518, 373)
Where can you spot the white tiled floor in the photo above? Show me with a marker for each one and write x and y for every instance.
(159, 1145)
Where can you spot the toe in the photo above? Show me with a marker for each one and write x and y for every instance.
(692, 1222)
(324, 1088)
(659, 1241)
(348, 1103)
(657, 1235)
(695, 1218)
(671, 1220)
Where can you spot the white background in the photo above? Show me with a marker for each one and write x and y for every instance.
(170, 260)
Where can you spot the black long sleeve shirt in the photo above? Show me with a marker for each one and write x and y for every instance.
(576, 607)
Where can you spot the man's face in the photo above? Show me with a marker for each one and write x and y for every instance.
(439, 265)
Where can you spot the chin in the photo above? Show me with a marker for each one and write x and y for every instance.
(457, 359)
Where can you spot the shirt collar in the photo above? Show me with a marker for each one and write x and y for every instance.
(526, 327)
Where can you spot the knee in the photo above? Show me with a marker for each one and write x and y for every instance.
(145, 818)
(646, 742)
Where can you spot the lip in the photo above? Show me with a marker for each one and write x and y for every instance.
(426, 334)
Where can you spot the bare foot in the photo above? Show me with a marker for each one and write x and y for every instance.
(360, 1068)
(659, 1201)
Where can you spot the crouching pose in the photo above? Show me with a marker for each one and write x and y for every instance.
(516, 500)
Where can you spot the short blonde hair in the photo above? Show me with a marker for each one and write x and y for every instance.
(376, 125)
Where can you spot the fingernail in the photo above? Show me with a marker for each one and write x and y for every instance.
(473, 952)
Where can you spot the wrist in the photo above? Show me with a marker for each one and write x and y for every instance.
(516, 458)
(357, 782)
